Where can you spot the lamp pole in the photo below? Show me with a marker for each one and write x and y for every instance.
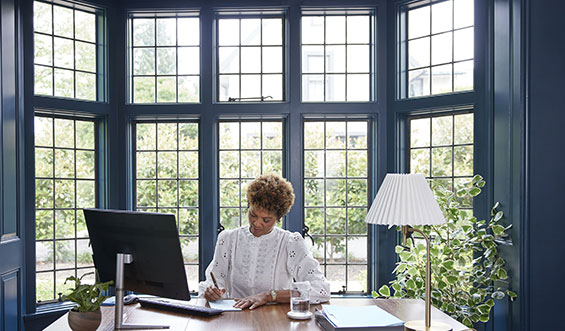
(427, 325)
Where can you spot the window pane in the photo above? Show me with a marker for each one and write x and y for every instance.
(440, 36)
(442, 17)
(188, 31)
(43, 49)
(167, 180)
(64, 184)
(358, 29)
(441, 79)
(337, 48)
(251, 32)
(228, 32)
(85, 27)
(243, 155)
(336, 199)
(251, 59)
(166, 61)
(419, 53)
(252, 50)
(335, 30)
(166, 31)
(64, 83)
(165, 48)
(66, 48)
(312, 30)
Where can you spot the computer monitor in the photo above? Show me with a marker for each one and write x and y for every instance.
(151, 239)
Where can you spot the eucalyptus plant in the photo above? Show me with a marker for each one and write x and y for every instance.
(464, 256)
(87, 297)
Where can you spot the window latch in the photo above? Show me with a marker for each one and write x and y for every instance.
(305, 233)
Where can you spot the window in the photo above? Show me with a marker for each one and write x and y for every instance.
(164, 58)
(247, 150)
(336, 190)
(65, 182)
(167, 180)
(67, 57)
(440, 47)
(250, 58)
(441, 148)
(337, 56)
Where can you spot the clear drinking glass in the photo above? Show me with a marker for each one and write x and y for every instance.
(300, 298)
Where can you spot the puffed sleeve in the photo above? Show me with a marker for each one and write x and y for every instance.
(304, 268)
(219, 265)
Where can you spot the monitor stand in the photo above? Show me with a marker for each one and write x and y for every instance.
(121, 260)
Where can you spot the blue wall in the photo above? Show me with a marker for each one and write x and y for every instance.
(544, 250)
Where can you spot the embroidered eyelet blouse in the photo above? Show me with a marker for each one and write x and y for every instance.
(246, 265)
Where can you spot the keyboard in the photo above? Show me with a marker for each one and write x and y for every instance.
(178, 307)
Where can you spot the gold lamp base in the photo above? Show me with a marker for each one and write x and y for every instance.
(420, 325)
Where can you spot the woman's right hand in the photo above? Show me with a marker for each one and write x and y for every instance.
(213, 293)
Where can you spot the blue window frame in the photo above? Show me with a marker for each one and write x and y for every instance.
(69, 57)
(164, 57)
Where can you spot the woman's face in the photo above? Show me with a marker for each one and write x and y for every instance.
(261, 221)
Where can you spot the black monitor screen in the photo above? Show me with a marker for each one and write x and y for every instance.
(153, 241)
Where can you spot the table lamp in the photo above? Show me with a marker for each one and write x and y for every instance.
(407, 200)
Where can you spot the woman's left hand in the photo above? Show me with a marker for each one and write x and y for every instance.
(253, 301)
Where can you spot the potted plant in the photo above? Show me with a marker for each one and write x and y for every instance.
(468, 273)
(86, 314)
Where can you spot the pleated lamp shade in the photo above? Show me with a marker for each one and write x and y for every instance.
(405, 199)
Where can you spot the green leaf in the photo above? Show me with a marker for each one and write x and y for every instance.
(511, 294)
(474, 191)
(398, 249)
(448, 264)
(498, 229)
(410, 284)
(384, 291)
(490, 303)
(502, 274)
(484, 318)
(498, 216)
(396, 287)
(374, 294)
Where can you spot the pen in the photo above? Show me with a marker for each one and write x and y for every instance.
(214, 279)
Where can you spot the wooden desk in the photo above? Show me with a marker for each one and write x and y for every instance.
(270, 317)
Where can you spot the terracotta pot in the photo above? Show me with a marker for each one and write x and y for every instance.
(85, 321)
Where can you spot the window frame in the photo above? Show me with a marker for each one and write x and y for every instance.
(250, 13)
(284, 167)
(369, 235)
(401, 52)
(130, 50)
(101, 46)
(373, 31)
(452, 113)
(97, 201)
(135, 151)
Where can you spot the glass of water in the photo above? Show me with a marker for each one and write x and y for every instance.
(300, 298)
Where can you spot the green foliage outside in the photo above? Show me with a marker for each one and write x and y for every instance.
(86, 296)
(465, 261)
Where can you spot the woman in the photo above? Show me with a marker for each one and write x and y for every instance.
(256, 263)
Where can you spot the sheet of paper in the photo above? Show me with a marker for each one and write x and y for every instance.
(357, 316)
(225, 305)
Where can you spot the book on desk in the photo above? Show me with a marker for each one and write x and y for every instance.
(351, 318)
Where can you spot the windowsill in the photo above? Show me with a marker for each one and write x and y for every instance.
(50, 309)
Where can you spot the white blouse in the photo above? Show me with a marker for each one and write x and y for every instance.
(246, 265)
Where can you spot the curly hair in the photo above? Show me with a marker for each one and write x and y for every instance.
(271, 193)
